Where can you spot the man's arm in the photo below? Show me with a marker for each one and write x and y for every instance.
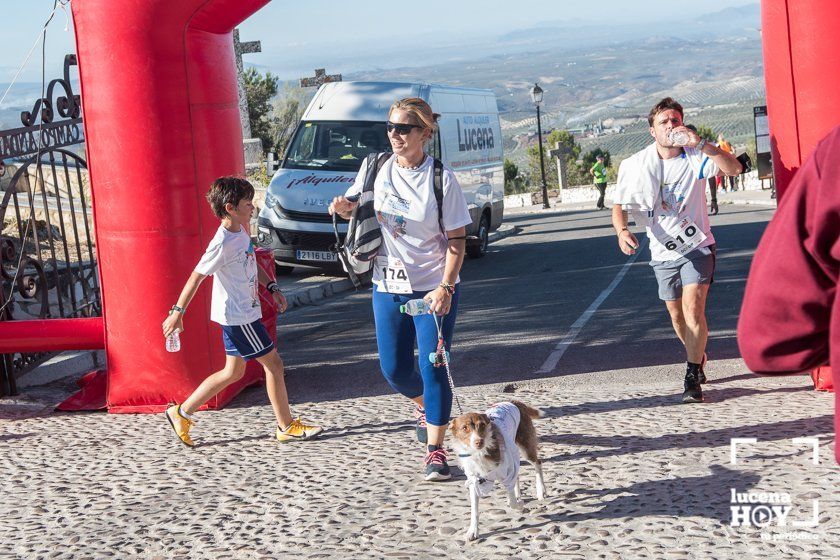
(627, 242)
(725, 161)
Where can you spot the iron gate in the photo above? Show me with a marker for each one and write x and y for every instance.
(47, 250)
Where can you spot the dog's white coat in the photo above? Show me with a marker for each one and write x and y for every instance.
(505, 416)
(476, 464)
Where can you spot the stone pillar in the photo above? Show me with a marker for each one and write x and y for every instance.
(252, 146)
(560, 152)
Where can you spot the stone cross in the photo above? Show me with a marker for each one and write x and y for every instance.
(239, 49)
(320, 78)
(560, 151)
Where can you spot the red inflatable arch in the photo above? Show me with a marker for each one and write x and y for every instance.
(161, 110)
(802, 73)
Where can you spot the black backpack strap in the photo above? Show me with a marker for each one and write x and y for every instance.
(374, 163)
(438, 184)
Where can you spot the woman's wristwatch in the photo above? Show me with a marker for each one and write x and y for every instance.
(272, 287)
(449, 288)
(177, 308)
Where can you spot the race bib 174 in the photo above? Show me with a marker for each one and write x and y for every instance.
(392, 275)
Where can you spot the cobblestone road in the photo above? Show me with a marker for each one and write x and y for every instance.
(630, 474)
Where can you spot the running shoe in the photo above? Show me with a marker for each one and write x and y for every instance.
(693, 393)
(436, 466)
(420, 428)
(181, 424)
(297, 431)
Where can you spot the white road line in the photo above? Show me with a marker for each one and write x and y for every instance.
(577, 326)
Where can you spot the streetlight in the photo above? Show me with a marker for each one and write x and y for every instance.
(536, 96)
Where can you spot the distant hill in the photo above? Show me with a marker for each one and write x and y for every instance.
(591, 74)
(713, 66)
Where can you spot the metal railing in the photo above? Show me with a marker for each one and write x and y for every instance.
(48, 266)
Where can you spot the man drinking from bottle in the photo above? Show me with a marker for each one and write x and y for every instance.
(663, 188)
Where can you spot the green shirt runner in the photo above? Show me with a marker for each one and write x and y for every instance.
(600, 173)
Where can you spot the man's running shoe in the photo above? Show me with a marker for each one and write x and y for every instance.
(297, 431)
(693, 393)
(436, 466)
(181, 424)
(703, 367)
(420, 429)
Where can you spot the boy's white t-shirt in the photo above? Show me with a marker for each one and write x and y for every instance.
(230, 259)
(682, 191)
(406, 209)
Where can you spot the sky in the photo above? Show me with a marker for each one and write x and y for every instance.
(299, 35)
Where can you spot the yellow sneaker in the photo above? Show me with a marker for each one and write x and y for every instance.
(297, 430)
(180, 424)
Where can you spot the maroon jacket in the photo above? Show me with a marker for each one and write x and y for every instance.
(790, 318)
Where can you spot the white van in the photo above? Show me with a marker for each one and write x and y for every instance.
(340, 127)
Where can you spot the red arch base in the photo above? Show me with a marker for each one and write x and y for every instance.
(161, 112)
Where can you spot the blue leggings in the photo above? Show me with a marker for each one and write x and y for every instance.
(396, 334)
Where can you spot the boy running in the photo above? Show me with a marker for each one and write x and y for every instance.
(236, 307)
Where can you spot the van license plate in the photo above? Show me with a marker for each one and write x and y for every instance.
(322, 256)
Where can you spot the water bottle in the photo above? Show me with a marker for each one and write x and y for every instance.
(679, 138)
(415, 307)
(173, 341)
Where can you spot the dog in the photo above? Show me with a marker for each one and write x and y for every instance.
(488, 451)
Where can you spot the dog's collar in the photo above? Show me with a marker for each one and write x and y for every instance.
(465, 455)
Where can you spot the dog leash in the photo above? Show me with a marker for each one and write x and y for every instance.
(442, 358)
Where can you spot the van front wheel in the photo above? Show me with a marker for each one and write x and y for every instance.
(479, 249)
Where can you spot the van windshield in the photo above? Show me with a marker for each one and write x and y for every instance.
(335, 146)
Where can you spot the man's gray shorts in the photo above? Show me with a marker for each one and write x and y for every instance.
(696, 267)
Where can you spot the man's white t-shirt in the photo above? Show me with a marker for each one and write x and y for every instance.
(230, 259)
(682, 190)
(406, 208)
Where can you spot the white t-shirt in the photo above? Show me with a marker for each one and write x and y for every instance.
(406, 208)
(504, 416)
(682, 190)
(231, 260)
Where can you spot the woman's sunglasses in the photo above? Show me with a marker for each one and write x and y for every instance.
(402, 129)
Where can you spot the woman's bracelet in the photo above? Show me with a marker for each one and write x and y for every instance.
(449, 288)
(272, 287)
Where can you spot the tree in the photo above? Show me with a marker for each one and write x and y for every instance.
(259, 90)
(589, 158)
(567, 139)
(551, 180)
(286, 115)
(511, 176)
(706, 132)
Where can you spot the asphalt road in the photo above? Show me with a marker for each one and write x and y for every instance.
(556, 304)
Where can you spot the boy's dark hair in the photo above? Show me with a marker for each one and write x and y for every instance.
(228, 190)
(664, 105)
